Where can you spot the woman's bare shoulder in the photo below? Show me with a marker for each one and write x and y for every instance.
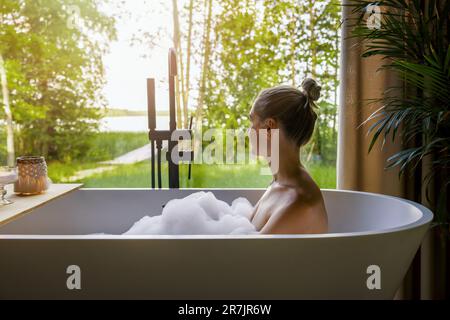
(305, 202)
(308, 192)
(305, 214)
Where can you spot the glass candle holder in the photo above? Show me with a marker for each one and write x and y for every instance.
(8, 175)
(33, 177)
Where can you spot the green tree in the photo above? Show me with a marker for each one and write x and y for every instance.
(244, 60)
(53, 55)
(318, 57)
(259, 44)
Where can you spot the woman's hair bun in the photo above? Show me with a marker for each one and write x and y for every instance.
(311, 88)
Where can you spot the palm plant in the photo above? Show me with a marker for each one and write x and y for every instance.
(413, 37)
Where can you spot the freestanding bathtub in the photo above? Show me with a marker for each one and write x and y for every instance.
(372, 238)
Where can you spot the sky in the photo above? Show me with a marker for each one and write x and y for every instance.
(126, 68)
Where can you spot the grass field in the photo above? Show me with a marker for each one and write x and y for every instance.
(203, 176)
(104, 146)
(109, 145)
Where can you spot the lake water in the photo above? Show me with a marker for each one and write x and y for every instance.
(132, 124)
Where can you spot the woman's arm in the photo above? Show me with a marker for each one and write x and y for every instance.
(255, 209)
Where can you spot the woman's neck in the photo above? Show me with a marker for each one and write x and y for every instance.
(289, 166)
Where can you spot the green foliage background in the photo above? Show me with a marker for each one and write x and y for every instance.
(260, 44)
(55, 72)
(54, 63)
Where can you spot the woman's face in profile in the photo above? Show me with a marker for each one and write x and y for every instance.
(253, 132)
(256, 127)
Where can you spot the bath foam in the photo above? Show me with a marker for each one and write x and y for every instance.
(200, 213)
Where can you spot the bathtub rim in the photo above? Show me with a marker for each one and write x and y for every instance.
(425, 218)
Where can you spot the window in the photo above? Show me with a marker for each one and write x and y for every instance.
(75, 81)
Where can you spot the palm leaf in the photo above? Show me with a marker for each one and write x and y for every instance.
(413, 42)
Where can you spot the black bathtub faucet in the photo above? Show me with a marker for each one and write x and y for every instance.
(158, 136)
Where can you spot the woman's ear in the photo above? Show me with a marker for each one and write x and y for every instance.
(271, 123)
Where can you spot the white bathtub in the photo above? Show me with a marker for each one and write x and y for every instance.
(365, 230)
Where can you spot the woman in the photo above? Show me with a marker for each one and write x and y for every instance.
(293, 203)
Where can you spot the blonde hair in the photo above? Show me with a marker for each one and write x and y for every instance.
(292, 108)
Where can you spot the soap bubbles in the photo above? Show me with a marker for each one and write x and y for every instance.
(200, 213)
